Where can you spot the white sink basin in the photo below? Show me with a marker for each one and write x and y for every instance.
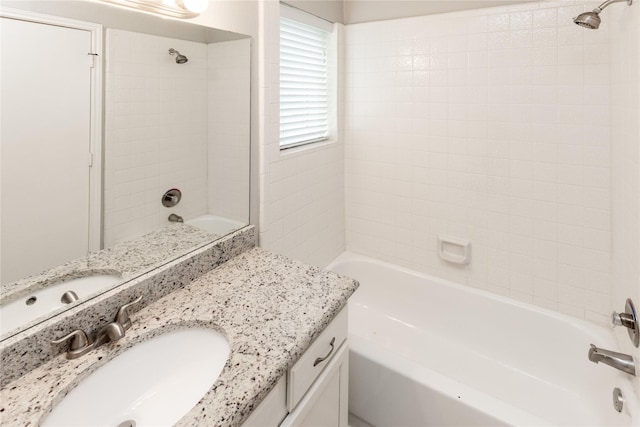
(44, 301)
(154, 383)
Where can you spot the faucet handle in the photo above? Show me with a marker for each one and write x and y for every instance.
(630, 320)
(615, 319)
(79, 340)
(622, 319)
(123, 316)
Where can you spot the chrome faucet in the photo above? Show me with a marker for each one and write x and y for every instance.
(620, 361)
(81, 343)
(110, 332)
(175, 218)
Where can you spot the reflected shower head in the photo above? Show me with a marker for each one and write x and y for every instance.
(180, 59)
(591, 20)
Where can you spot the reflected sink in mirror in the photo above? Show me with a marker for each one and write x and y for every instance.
(156, 382)
(43, 301)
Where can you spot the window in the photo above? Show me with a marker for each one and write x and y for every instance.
(304, 74)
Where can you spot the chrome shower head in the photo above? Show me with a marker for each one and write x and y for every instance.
(591, 20)
(180, 59)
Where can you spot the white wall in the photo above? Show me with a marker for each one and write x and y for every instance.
(155, 132)
(625, 161)
(330, 10)
(229, 129)
(302, 193)
(493, 126)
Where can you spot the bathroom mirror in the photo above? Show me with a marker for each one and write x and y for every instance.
(168, 105)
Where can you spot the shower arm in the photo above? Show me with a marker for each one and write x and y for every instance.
(602, 6)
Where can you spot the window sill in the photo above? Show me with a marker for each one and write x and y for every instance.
(304, 149)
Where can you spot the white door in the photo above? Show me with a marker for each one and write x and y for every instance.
(45, 146)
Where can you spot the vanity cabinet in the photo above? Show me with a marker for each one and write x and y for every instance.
(325, 404)
(314, 393)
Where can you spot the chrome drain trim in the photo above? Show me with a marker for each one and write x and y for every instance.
(618, 400)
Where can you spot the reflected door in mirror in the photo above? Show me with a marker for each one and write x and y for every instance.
(45, 89)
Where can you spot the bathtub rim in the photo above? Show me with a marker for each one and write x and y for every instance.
(604, 333)
(348, 256)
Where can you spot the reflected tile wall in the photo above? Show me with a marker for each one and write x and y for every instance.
(155, 132)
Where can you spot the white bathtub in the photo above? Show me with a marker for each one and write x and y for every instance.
(428, 352)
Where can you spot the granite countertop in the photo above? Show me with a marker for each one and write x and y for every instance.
(125, 259)
(268, 306)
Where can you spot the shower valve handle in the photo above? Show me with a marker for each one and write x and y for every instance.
(629, 319)
(622, 319)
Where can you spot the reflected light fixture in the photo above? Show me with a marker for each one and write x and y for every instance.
(195, 6)
(175, 8)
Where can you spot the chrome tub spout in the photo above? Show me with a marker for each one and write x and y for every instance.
(620, 361)
(175, 218)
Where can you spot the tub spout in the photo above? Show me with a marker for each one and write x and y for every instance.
(620, 361)
(175, 218)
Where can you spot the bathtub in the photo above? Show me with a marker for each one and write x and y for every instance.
(428, 352)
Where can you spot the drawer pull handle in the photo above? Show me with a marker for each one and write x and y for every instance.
(322, 359)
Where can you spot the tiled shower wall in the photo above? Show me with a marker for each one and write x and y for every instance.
(489, 125)
(155, 132)
(625, 163)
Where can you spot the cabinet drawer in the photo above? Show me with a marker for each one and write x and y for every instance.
(315, 359)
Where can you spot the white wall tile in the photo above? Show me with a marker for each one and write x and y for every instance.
(155, 132)
(302, 193)
(505, 150)
(624, 32)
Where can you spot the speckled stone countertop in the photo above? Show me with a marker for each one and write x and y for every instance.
(127, 260)
(268, 306)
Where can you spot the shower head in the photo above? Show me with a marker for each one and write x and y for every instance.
(180, 59)
(591, 20)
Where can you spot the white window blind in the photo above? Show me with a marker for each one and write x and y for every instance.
(304, 101)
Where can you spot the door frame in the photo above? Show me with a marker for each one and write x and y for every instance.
(95, 158)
